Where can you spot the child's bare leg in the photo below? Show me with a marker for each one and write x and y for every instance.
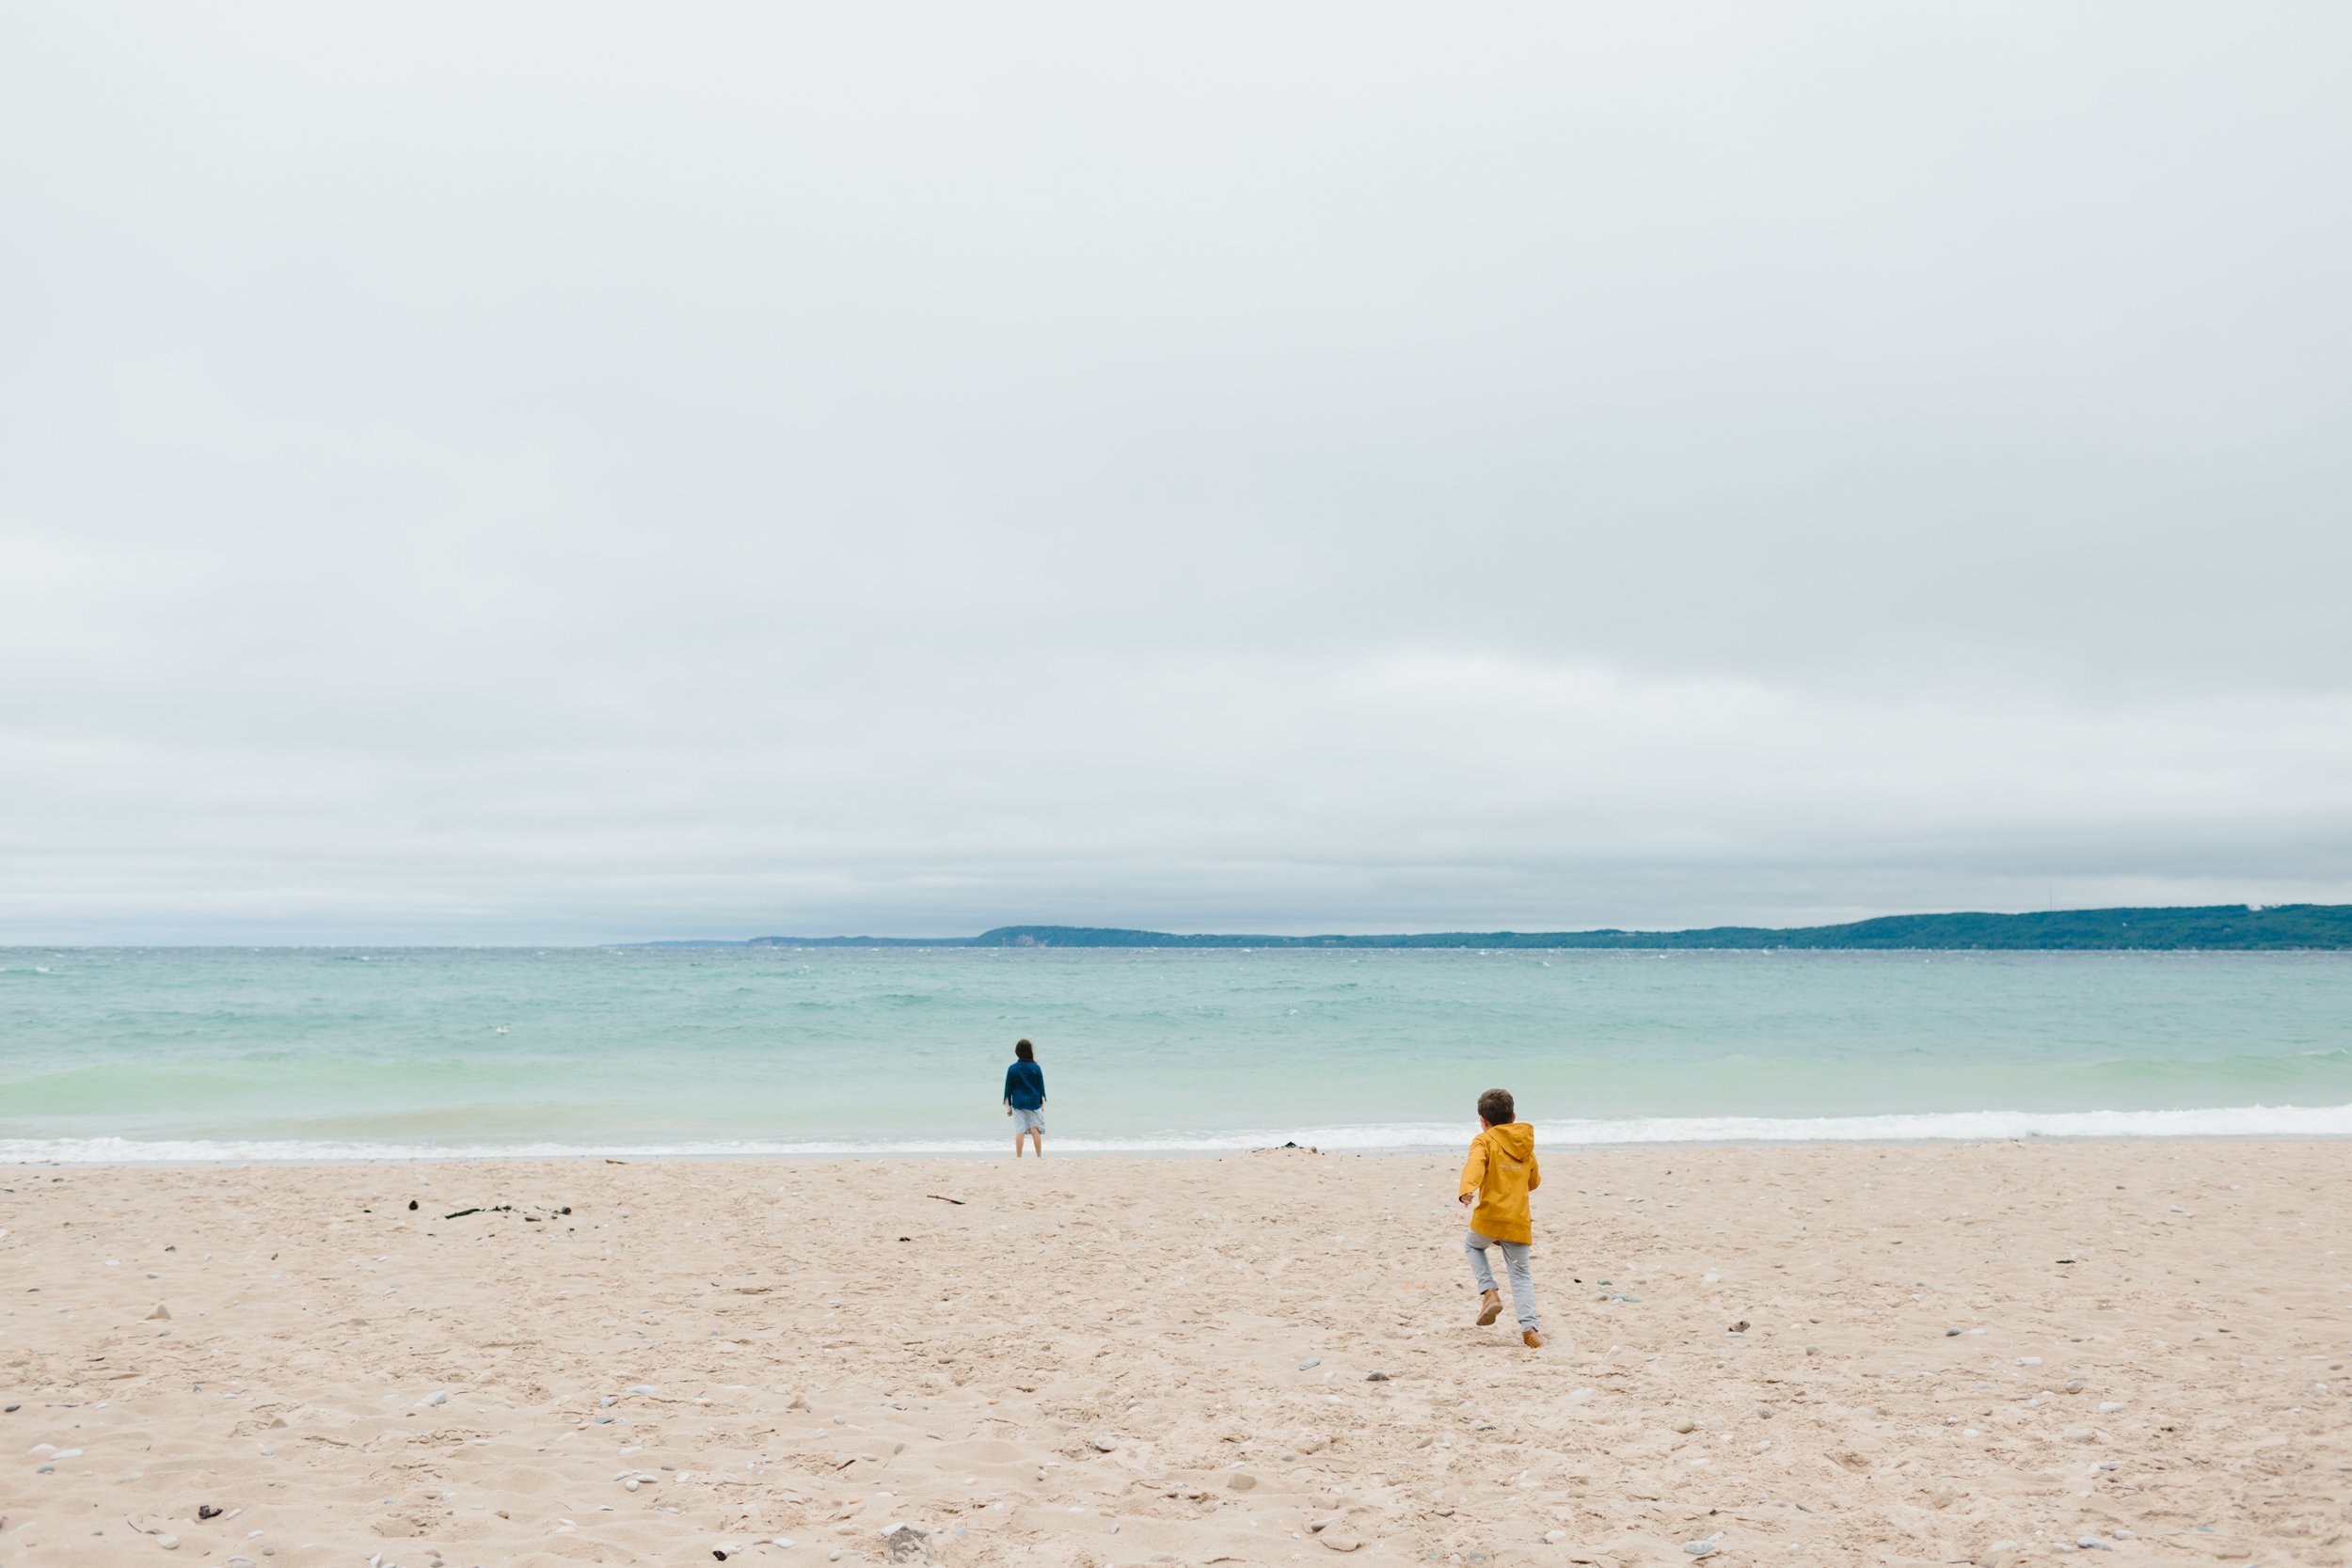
(1037, 1137)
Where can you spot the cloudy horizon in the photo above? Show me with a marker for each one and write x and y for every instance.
(568, 474)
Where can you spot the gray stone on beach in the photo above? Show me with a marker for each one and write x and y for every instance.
(905, 1543)
(640, 1388)
(438, 1396)
(1242, 1480)
(1701, 1549)
(1683, 1423)
(1376, 1377)
(1951, 1334)
(1105, 1445)
(1310, 1363)
(161, 1315)
(1335, 1533)
(609, 1399)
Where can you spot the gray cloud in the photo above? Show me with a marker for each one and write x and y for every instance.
(574, 473)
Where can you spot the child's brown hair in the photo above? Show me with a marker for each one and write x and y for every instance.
(1495, 1108)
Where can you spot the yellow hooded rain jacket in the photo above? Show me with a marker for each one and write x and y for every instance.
(1502, 1170)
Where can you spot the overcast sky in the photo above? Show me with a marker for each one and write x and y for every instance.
(583, 472)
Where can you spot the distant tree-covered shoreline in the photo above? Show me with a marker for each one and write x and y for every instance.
(2218, 928)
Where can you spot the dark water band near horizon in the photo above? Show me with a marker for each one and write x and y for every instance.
(277, 1053)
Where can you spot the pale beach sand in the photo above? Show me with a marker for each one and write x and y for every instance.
(1097, 1361)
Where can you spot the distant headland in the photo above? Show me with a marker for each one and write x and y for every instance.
(2218, 928)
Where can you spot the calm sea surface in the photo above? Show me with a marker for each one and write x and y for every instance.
(310, 1054)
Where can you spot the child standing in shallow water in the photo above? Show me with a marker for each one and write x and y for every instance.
(1499, 1175)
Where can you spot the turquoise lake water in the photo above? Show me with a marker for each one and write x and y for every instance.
(318, 1053)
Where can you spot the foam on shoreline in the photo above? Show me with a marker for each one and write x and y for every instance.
(2236, 1121)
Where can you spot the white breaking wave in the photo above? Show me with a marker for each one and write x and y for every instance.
(2235, 1122)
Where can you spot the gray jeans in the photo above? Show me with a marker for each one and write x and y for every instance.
(1515, 1264)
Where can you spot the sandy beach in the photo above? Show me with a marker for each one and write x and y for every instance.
(1950, 1352)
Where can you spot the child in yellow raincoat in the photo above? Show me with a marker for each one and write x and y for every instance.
(1497, 1177)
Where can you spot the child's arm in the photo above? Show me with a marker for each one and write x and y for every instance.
(1535, 1172)
(1474, 1169)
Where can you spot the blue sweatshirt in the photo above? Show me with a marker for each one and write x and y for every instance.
(1024, 1086)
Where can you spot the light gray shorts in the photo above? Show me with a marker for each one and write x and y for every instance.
(1028, 1122)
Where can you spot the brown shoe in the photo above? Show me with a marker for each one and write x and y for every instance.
(1532, 1339)
(1489, 1307)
